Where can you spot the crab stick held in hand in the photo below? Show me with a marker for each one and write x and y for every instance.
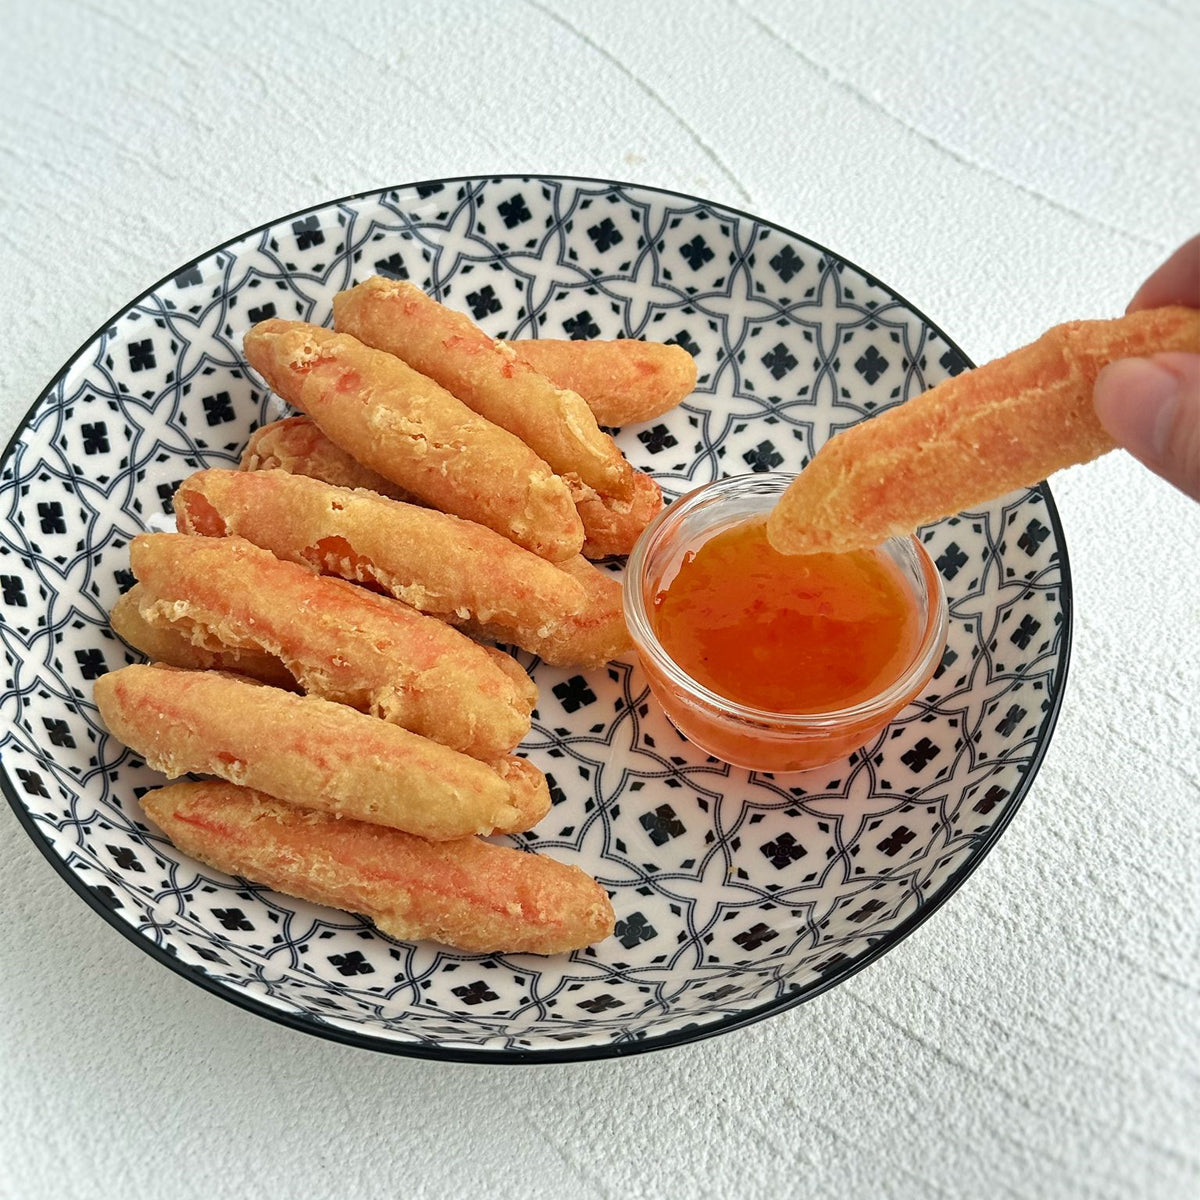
(303, 749)
(447, 567)
(486, 375)
(986, 432)
(340, 642)
(466, 893)
(623, 381)
(406, 428)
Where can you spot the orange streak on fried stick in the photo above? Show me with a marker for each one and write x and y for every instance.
(598, 631)
(622, 381)
(453, 569)
(611, 525)
(297, 444)
(173, 645)
(486, 375)
(303, 749)
(465, 893)
(339, 641)
(405, 427)
(975, 437)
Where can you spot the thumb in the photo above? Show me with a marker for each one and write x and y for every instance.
(1151, 406)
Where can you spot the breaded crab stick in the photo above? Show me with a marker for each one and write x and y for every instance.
(623, 381)
(529, 793)
(405, 427)
(297, 444)
(454, 569)
(303, 749)
(465, 893)
(486, 375)
(172, 645)
(450, 568)
(339, 641)
(1003, 426)
(611, 525)
(598, 631)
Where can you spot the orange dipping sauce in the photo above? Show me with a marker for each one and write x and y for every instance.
(770, 661)
(787, 633)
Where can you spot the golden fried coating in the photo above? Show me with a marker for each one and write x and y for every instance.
(612, 525)
(440, 564)
(296, 444)
(405, 427)
(486, 375)
(453, 569)
(524, 688)
(465, 893)
(978, 436)
(528, 793)
(339, 641)
(623, 380)
(173, 645)
(302, 749)
(598, 631)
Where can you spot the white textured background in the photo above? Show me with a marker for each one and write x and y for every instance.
(1005, 167)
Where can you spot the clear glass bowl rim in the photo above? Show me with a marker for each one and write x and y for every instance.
(766, 484)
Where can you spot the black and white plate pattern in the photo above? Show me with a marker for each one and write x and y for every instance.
(737, 894)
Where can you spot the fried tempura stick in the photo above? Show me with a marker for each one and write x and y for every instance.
(598, 631)
(611, 526)
(453, 569)
(975, 437)
(529, 793)
(623, 381)
(408, 429)
(441, 564)
(339, 641)
(523, 687)
(173, 646)
(306, 750)
(464, 893)
(297, 444)
(486, 375)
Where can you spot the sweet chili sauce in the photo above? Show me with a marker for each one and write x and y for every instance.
(787, 633)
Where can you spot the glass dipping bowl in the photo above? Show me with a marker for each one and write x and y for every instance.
(754, 738)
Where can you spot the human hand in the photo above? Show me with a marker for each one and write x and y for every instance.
(1151, 406)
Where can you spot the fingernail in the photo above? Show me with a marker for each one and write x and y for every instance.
(1136, 401)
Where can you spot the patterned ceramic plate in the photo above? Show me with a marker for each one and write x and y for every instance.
(737, 894)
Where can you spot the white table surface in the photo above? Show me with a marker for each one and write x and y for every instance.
(1004, 167)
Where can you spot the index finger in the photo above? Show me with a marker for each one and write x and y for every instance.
(1177, 281)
